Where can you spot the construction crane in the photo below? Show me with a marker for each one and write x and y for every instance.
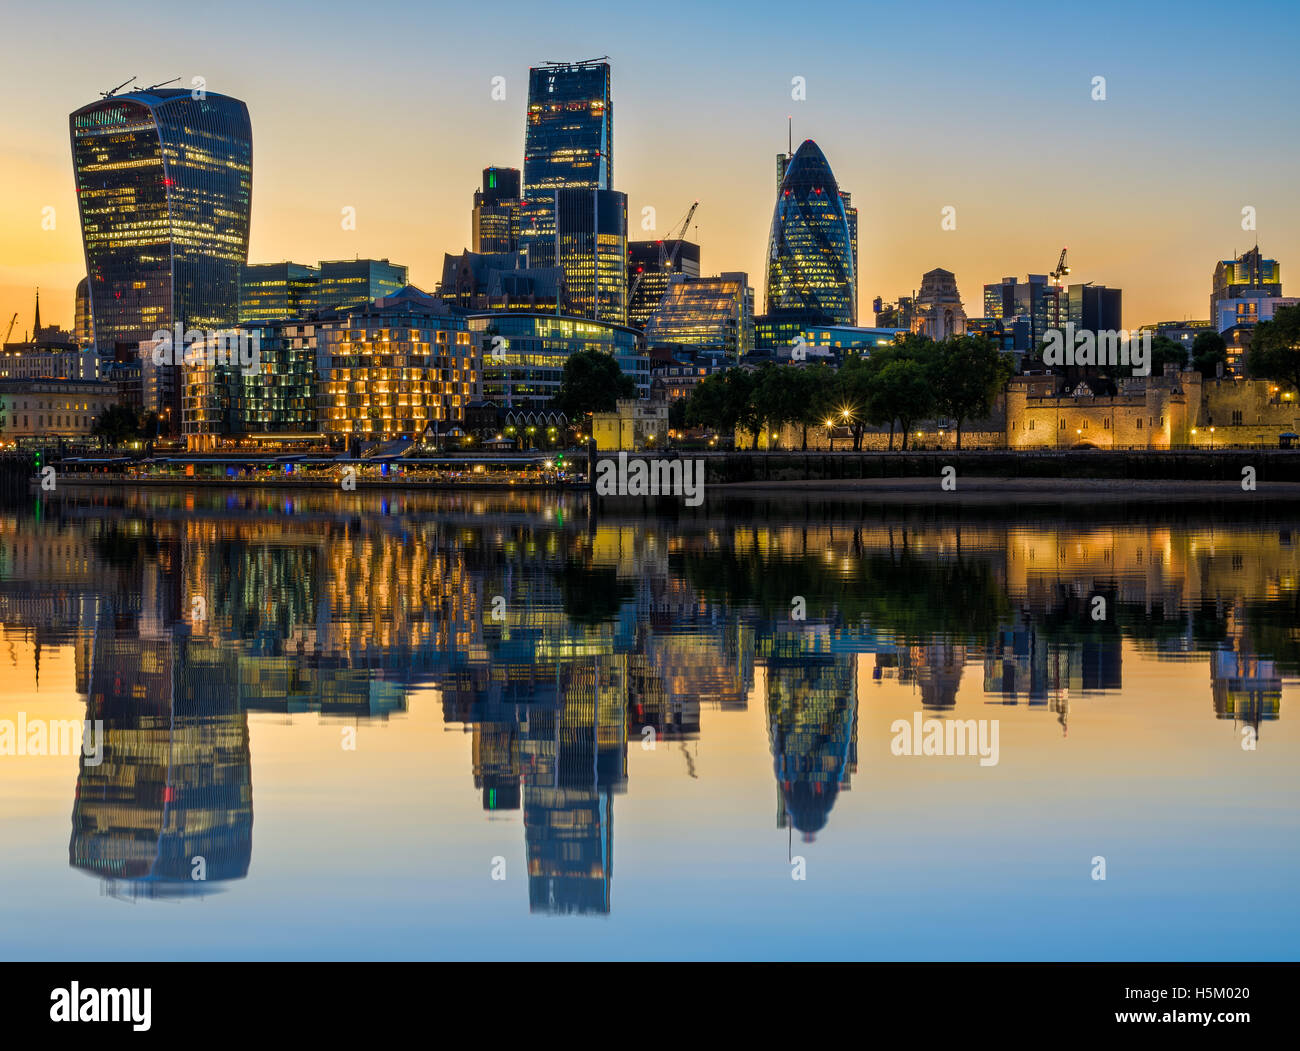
(1062, 270)
(113, 91)
(12, 321)
(163, 84)
(667, 260)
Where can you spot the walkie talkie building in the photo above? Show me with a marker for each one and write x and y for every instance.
(164, 189)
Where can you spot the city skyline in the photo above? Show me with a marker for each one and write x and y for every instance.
(1134, 214)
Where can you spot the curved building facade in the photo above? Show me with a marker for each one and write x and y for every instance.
(810, 251)
(164, 188)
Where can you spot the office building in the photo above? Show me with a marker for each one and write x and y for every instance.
(591, 246)
(274, 291)
(1036, 300)
(164, 185)
(494, 227)
(83, 326)
(276, 402)
(349, 283)
(526, 371)
(650, 264)
(1247, 276)
(705, 312)
(810, 248)
(571, 216)
(1094, 307)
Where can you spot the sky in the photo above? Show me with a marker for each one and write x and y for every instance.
(986, 109)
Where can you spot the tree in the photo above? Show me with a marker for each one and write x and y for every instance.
(967, 373)
(677, 414)
(812, 389)
(851, 400)
(1164, 351)
(1275, 348)
(592, 382)
(117, 424)
(723, 402)
(1209, 350)
(776, 396)
(903, 390)
(740, 388)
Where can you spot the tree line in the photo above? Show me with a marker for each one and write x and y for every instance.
(914, 379)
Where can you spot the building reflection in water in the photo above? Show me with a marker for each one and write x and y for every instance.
(169, 808)
(554, 641)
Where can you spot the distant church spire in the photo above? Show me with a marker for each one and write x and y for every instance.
(36, 331)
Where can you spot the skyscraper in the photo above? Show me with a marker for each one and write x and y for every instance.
(811, 247)
(570, 215)
(570, 135)
(164, 188)
(495, 224)
(164, 185)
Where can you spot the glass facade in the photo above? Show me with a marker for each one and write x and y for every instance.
(495, 227)
(569, 140)
(164, 185)
(811, 248)
(222, 401)
(648, 274)
(568, 148)
(1035, 300)
(715, 312)
(274, 291)
(348, 283)
(82, 327)
(591, 240)
(536, 347)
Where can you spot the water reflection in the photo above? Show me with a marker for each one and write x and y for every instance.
(557, 638)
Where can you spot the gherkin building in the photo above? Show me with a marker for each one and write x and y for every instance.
(810, 251)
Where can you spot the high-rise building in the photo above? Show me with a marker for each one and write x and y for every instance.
(810, 249)
(591, 246)
(1035, 299)
(570, 215)
(706, 312)
(83, 326)
(348, 283)
(495, 223)
(274, 291)
(650, 265)
(570, 136)
(1094, 307)
(1249, 275)
(164, 188)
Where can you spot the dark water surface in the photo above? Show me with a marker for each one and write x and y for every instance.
(501, 726)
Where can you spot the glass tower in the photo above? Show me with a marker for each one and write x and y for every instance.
(164, 184)
(570, 215)
(811, 248)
